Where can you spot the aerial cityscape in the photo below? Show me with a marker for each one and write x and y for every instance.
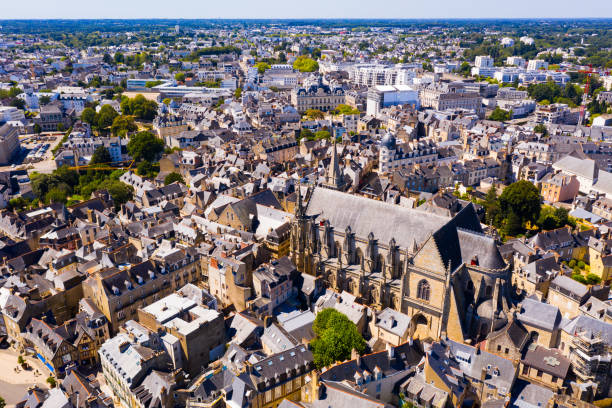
(305, 212)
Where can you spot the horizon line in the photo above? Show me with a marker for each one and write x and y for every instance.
(304, 19)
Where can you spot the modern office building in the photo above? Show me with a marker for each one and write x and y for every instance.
(9, 143)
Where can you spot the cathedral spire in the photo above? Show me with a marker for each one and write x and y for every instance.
(299, 212)
(335, 178)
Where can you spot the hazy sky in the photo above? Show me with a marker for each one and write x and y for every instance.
(24, 9)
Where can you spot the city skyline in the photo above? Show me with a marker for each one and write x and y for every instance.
(275, 9)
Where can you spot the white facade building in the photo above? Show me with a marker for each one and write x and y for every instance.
(483, 61)
(516, 61)
(534, 65)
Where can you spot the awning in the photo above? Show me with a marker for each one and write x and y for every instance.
(41, 358)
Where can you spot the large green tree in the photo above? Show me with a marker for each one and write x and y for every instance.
(139, 107)
(172, 177)
(122, 125)
(305, 64)
(145, 146)
(336, 337)
(500, 115)
(520, 201)
(106, 116)
(101, 155)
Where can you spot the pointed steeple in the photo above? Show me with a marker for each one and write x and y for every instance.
(334, 179)
(299, 212)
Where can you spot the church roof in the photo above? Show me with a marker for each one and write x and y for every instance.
(365, 215)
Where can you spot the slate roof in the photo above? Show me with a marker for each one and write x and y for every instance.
(405, 356)
(364, 215)
(393, 321)
(547, 360)
(589, 325)
(538, 314)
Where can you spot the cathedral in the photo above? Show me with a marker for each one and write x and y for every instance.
(443, 272)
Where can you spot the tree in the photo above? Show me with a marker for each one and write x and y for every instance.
(101, 155)
(336, 337)
(18, 103)
(314, 114)
(262, 67)
(120, 192)
(592, 279)
(238, 93)
(465, 69)
(151, 84)
(541, 129)
(172, 177)
(306, 134)
(122, 125)
(145, 146)
(343, 109)
(520, 202)
(106, 116)
(139, 107)
(89, 116)
(51, 381)
(322, 134)
(500, 115)
(107, 59)
(491, 206)
(56, 195)
(37, 128)
(18, 203)
(512, 224)
(44, 100)
(305, 64)
(119, 58)
(179, 77)
(551, 218)
(147, 169)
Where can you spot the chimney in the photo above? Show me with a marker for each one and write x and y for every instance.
(390, 351)
(355, 356)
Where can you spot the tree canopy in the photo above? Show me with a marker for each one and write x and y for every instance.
(106, 116)
(519, 203)
(139, 107)
(336, 337)
(122, 125)
(145, 146)
(314, 114)
(304, 63)
(343, 109)
(173, 177)
(500, 115)
(262, 67)
(101, 155)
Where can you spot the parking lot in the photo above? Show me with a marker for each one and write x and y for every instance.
(36, 153)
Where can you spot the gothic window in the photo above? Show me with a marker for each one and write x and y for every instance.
(423, 290)
(358, 256)
(380, 265)
(338, 250)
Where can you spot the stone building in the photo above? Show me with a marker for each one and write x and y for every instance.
(316, 95)
(442, 272)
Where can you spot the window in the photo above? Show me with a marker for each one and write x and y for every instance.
(423, 290)
(539, 373)
(525, 370)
